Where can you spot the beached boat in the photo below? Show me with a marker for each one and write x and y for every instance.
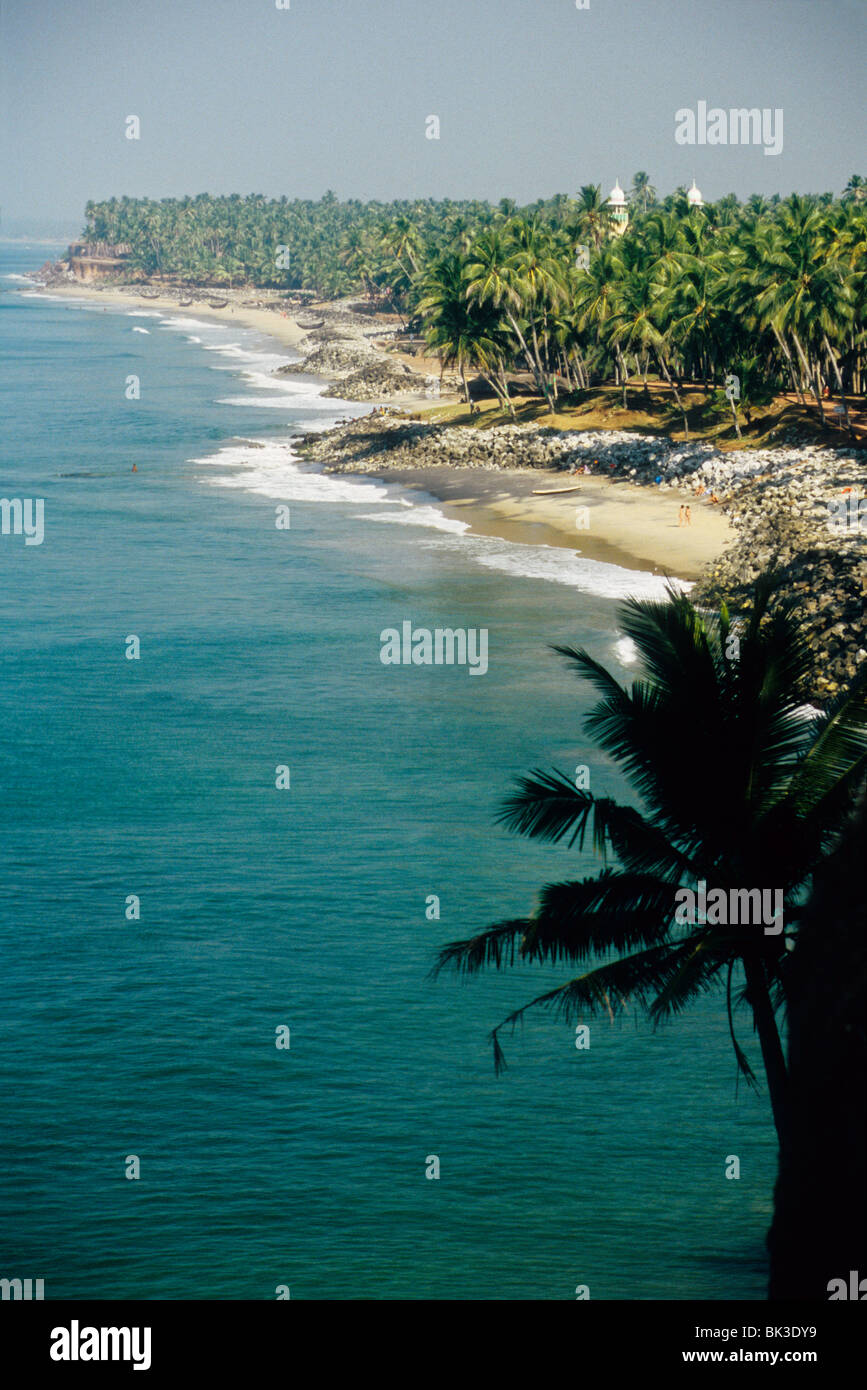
(550, 491)
(307, 321)
(149, 294)
(185, 303)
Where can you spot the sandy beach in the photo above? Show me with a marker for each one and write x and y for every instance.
(631, 526)
(276, 325)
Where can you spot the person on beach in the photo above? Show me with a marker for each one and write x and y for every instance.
(686, 515)
(680, 514)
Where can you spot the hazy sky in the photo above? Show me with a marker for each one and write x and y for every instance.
(534, 97)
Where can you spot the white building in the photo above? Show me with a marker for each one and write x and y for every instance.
(619, 213)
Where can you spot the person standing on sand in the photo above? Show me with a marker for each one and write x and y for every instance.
(680, 515)
(686, 515)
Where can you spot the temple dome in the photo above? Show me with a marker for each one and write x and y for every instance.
(694, 197)
(617, 198)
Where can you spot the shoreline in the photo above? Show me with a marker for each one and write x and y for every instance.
(776, 499)
(285, 329)
(629, 526)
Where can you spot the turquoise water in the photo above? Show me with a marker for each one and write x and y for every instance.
(305, 907)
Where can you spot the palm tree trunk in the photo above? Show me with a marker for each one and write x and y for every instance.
(541, 370)
(836, 365)
(784, 348)
(665, 372)
(535, 366)
(495, 387)
(505, 385)
(624, 375)
(769, 1041)
(811, 376)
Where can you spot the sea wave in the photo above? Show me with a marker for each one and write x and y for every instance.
(182, 322)
(309, 400)
(430, 517)
(626, 651)
(271, 469)
(561, 566)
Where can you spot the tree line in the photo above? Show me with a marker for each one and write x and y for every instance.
(772, 290)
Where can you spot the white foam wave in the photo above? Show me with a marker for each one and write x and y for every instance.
(561, 566)
(141, 330)
(265, 359)
(143, 314)
(181, 322)
(419, 516)
(308, 400)
(626, 651)
(266, 381)
(22, 279)
(271, 469)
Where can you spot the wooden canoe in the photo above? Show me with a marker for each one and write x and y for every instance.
(550, 491)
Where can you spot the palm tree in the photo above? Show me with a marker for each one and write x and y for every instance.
(592, 218)
(463, 332)
(539, 278)
(493, 277)
(776, 785)
(402, 240)
(595, 297)
(634, 326)
(642, 190)
(855, 190)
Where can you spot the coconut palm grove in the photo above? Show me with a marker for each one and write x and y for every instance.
(570, 291)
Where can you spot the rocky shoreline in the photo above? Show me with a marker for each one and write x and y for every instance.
(777, 499)
(345, 341)
(796, 503)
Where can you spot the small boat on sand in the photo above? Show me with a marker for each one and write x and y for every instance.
(184, 303)
(550, 491)
(217, 303)
(308, 321)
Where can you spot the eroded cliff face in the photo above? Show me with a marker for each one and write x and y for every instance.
(89, 261)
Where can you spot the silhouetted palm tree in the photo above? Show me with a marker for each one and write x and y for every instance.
(776, 784)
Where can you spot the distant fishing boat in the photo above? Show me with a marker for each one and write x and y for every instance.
(217, 303)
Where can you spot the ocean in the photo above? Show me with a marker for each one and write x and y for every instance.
(303, 907)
